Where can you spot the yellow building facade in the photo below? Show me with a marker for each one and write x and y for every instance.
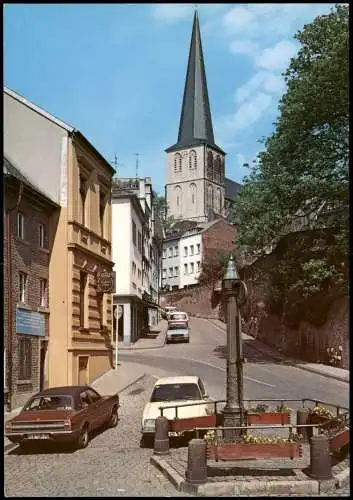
(80, 347)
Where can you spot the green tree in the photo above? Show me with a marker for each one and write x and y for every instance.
(300, 180)
(304, 168)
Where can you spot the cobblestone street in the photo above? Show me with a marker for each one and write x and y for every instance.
(112, 465)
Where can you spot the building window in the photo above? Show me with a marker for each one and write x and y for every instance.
(164, 253)
(83, 193)
(191, 249)
(170, 251)
(185, 269)
(185, 251)
(176, 271)
(177, 162)
(41, 235)
(170, 272)
(25, 359)
(210, 164)
(192, 268)
(198, 249)
(23, 287)
(134, 232)
(139, 241)
(176, 251)
(164, 274)
(217, 169)
(198, 266)
(83, 284)
(193, 160)
(20, 225)
(102, 203)
(43, 293)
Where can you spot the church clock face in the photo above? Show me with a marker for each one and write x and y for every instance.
(184, 154)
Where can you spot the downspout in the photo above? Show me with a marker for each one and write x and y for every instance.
(9, 295)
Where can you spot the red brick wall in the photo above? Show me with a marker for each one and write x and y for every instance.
(29, 258)
(219, 237)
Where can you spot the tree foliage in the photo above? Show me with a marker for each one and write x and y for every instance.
(305, 163)
(301, 177)
(214, 267)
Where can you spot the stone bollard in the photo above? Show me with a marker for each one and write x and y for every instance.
(161, 438)
(303, 419)
(320, 457)
(196, 472)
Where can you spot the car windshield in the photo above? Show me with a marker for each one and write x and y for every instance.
(176, 316)
(175, 392)
(42, 403)
(180, 326)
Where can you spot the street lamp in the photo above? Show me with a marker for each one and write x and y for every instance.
(235, 292)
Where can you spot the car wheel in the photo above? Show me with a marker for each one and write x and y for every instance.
(147, 442)
(187, 341)
(83, 439)
(113, 419)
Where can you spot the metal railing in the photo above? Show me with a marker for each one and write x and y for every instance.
(279, 400)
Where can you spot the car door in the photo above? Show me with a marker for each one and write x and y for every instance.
(87, 409)
(99, 408)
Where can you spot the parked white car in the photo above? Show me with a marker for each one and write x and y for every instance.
(173, 390)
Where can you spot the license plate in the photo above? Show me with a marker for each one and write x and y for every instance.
(38, 436)
(173, 434)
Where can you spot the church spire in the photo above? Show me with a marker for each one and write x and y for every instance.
(195, 121)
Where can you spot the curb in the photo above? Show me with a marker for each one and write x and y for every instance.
(279, 357)
(141, 348)
(132, 383)
(168, 471)
(235, 488)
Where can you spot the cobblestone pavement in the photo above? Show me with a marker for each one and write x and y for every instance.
(113, 464)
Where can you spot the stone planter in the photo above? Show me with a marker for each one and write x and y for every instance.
(339, 440)
(248, 451)
(268, 418)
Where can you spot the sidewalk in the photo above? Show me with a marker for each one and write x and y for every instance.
(319, 368)
(153, 340)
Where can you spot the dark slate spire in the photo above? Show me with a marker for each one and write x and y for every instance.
(195, 122)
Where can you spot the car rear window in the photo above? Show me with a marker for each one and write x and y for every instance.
(178, 326)
(175, 392)
(42, 403)
(178, 316)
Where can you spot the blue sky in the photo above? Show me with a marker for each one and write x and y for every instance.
(116, 72)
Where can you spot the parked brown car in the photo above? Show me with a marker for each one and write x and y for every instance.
(63, 415)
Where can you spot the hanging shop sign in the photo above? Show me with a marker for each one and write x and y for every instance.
(106, 281)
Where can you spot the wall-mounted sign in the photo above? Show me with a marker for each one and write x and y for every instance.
(106, 282)
(30, 323)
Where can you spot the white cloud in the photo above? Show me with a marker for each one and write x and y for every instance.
(246, 115)
(243, 47)
(277, 57)
(263, 80)
(239, 19)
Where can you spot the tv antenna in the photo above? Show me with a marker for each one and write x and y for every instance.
(137, 164)
(116, 164)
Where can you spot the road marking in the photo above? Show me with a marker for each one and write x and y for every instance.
(223, 370)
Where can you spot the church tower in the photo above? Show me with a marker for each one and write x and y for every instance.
(195, 164)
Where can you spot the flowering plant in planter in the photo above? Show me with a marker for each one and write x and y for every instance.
(334, 355)
(321, 411)
(260, 408)
(282, 408)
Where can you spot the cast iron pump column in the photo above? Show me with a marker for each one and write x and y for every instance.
(235, 293)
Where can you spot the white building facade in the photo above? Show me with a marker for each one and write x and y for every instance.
(137, 254)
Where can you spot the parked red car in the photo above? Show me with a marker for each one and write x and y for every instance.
(63, 415)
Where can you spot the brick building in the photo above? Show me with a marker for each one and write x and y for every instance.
(27, 214)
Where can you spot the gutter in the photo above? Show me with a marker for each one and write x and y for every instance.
(10, 298)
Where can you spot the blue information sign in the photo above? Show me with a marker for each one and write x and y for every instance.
(30, 323)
